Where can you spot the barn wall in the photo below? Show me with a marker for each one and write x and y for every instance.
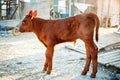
(109, 9)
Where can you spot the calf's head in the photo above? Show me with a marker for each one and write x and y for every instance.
(27, 22)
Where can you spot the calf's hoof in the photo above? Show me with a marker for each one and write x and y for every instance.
(49, 72)
(43, 71)
(83, 73)
(92, 75)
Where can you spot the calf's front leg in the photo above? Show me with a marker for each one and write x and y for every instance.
(48, 62)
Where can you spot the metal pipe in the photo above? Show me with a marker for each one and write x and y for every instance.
(69, 8)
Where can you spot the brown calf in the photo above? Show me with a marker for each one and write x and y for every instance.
(52, 32)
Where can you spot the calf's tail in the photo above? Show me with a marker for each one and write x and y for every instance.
(97, 24)
(97, 27)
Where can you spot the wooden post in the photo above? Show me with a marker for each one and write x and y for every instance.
(84, 1)
(0, 9)
(119, 18)
(108, 13)
(102, 6)
(119, 12)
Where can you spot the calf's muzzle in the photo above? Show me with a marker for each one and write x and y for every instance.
(15, 31)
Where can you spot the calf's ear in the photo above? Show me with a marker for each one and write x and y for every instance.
(35, 13)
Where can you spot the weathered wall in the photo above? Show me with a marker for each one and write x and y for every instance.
(43, 8)
(109, 9)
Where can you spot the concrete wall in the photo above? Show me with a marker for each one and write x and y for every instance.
(43, 8)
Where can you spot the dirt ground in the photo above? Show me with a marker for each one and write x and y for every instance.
(22, 58)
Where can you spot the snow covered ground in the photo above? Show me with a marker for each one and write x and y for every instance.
(22, 58)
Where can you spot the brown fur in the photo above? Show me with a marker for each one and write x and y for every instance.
(52, 32)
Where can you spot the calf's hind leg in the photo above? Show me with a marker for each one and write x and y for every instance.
(88, 60)
(91, 54)
(94, 56)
